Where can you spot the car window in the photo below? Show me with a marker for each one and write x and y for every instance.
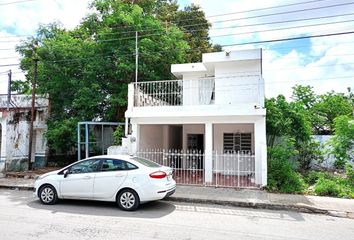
(146, 162)
(131, 166)
(113, 165)
(85, 166)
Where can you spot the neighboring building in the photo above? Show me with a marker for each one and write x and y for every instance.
(209, 125)
(14, 131)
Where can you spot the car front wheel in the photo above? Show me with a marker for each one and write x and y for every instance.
(48, 195)
(128, 200)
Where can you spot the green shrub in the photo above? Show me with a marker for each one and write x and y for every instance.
(281, 174)
(283, 178)
(312, 176)
(349, 171)
(117, 135)
(327, 187)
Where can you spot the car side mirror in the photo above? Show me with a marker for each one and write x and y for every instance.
(66, 173)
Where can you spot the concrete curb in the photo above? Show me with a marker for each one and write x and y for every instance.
(270, 206)
(255, 205)
(20, 188)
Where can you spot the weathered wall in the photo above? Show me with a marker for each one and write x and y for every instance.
(15, 125)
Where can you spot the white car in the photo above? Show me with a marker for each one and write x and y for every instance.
(127, 180)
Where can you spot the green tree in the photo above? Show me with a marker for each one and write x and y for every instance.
(328, 107)
(304, 95)
(343, 141)
(286, 119)
(86, 71)
(323, 109)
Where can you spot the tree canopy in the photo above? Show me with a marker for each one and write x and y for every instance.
(86, 71)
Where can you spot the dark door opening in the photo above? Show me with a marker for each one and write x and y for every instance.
(196, 142)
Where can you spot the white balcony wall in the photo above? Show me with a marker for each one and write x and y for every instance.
(238, 83)
(191, 89)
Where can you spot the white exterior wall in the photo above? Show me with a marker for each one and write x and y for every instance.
(220, 129)
(237, 83)
(261, 151)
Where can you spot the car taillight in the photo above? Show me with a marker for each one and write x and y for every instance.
(158, 174)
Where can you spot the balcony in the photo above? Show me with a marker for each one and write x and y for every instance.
(174, 92)
(227, 91)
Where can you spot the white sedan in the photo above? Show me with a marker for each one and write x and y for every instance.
(127, 180)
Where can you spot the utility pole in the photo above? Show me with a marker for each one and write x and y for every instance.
(136, 58)
(9, 90)
(35, 59)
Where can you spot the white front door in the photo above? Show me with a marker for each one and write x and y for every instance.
(80, 179)
(111, 176)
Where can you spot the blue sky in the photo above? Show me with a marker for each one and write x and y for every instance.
(325, 63)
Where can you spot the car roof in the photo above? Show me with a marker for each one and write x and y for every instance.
(117, 156)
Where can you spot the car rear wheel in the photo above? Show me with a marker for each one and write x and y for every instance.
(128, 200)
(48, 195)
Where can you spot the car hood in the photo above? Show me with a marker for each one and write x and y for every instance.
(49, 173)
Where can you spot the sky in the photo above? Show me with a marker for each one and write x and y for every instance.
(326, 63)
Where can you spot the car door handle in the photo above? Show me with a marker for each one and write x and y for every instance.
(120, 175)
(87, 177)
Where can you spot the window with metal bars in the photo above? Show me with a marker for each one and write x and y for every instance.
(237, 142)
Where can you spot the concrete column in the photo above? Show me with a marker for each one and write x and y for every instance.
(130, 97)
(208, 162)
(126, 127)
(135, 137)
(165, 134)
(260, 151)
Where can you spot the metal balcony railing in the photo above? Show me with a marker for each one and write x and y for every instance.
(174, 92)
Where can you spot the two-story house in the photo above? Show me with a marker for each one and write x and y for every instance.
(209, 125)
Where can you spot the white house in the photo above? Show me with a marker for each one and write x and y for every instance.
(209, 125)
(14, 132)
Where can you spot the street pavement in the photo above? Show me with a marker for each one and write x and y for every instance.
(238, 198)
(24, 217)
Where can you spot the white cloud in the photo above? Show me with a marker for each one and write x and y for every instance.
(24, 19)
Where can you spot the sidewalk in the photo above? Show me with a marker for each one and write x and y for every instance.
(239, 198)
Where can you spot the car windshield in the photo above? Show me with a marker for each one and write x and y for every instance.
(146, 162)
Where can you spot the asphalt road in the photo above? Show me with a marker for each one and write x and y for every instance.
(22, 216)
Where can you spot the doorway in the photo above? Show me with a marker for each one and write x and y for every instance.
(195, 142)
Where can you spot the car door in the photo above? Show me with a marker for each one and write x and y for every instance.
(78, 182)
(108, 180)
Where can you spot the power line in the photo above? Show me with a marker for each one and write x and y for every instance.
(272, 48)
(224, 35)
(285, 28)
(157, 52)
(289, 39)
(9, 3)
(227, 20)
(284, 21)
(267, 30)
(280, 13)
(266, 8)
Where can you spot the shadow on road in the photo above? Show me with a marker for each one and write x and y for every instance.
(156, 209)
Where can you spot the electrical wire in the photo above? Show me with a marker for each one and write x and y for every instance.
(244, 18)
(16, 2)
